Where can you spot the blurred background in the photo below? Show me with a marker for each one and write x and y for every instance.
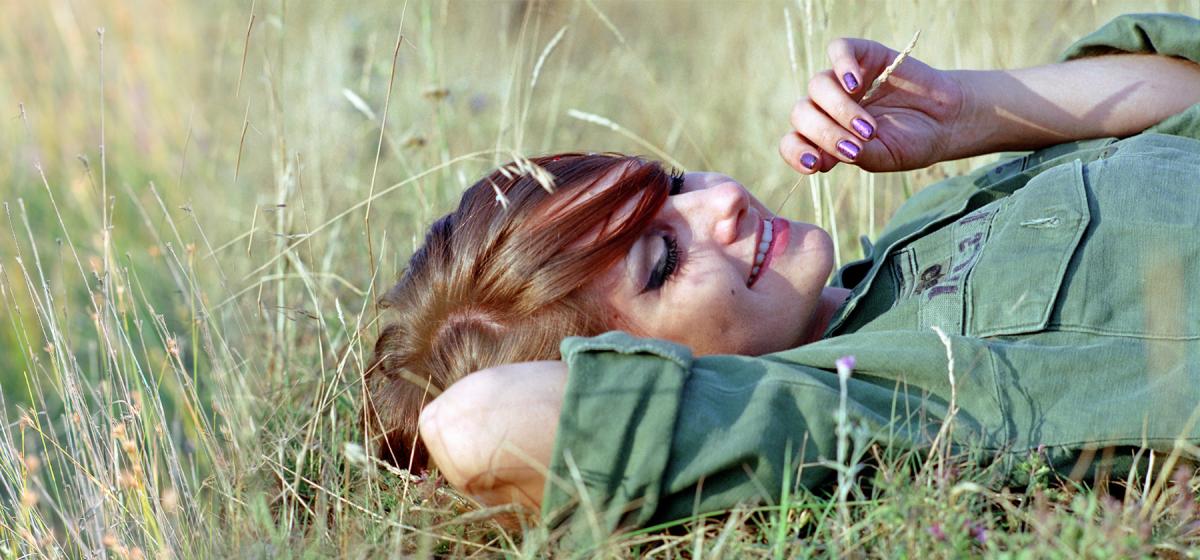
(202, 200)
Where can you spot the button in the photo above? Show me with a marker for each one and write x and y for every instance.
(929, 277)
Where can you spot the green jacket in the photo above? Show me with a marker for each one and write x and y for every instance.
(1066, 282)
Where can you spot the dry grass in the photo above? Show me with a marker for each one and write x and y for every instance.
(197, 222)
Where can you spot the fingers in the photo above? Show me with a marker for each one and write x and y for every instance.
(829, 125)
(817, 129)
(845, 65)
(828, 95)
(817, 143)
(799, 153)
(856, 62)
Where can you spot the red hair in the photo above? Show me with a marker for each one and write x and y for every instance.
(501, 280)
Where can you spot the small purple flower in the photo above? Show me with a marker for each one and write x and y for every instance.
(845, 365)
(978, 532)
(478, 103)
(936, 532)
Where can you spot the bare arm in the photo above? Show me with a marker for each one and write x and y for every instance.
(1115, 95)
(492, 433)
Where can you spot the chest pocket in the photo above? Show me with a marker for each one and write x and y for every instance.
(997, 270)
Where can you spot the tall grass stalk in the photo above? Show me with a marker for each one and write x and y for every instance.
(188, 305)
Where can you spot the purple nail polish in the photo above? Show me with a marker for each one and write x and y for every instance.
(863, 128)
(851, 81)
(848, 149)
(809, 161)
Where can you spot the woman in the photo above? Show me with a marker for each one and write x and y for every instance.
(1061, 284)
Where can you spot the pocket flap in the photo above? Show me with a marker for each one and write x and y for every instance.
(1017, 279)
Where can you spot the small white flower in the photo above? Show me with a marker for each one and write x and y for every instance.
(355, 454)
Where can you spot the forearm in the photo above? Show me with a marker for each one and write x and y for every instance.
(1116, 95)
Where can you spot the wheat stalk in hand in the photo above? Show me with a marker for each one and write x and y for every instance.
(887, 72)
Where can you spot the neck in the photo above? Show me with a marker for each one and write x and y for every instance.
(827, 305)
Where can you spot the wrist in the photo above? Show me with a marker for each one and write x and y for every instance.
(973, 129)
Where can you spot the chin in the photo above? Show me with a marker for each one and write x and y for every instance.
(821, 250)
(812, 260)
(820, 239)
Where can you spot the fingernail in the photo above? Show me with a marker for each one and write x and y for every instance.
(851, 81)
(863, 128)
(848, 149)
(809, 161)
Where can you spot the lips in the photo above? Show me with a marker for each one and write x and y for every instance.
(774, 234)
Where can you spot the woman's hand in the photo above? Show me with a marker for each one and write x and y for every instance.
(924, 115)
(908, 124)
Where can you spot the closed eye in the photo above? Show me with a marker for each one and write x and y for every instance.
(666, 265)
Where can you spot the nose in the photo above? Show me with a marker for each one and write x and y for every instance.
(716, 209)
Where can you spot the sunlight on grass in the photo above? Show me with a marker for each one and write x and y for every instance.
(188, 272)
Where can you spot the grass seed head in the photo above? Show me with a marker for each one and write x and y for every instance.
(887, 72)
(32, 464)
(170, 500)
(29, 498)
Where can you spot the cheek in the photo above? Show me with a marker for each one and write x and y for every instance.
(725, 327)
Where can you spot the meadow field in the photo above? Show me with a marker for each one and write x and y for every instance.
(202, 201)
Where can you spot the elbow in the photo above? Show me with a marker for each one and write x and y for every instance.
(464, 430)
(482, 447)
(448, 427)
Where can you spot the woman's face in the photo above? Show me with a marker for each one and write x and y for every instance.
(718, 272)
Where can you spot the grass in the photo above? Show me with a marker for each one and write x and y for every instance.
(202, 203)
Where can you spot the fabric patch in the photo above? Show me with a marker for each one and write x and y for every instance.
(941, 285)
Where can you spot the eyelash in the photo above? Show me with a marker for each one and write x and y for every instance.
(676, 183)
(670, 264)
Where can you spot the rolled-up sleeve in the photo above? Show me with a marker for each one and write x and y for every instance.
(648, 434)
(618, 421)
(1165, 34)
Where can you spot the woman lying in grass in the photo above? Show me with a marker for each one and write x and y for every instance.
(1050, 302)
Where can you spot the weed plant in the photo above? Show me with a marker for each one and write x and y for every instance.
(203, 200)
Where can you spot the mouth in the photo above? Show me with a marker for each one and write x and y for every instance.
(772, 238)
